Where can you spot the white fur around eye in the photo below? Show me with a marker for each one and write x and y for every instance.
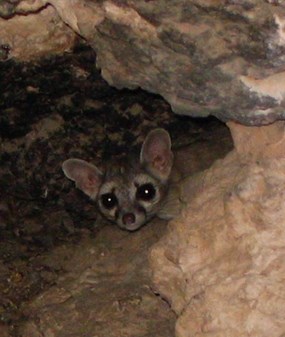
(143, 179)
(107, 187)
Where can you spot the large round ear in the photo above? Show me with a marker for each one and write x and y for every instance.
(156, 154)
(87, 177)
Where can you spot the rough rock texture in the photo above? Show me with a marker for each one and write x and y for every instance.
(105, 292)
(221, 265)
(35, 35)
(224, 58)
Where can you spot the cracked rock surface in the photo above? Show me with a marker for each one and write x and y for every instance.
(221, 58)
(221, 264)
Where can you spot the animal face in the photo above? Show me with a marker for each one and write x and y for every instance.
(128, 193)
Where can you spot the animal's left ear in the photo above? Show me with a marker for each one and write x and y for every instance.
(156, 154)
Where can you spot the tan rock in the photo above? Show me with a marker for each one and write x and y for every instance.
(222, 58)
(221, 265)
(104, 292)
(35, 35)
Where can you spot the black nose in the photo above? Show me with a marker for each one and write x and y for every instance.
(129, 218)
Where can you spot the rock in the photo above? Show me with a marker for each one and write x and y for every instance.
(4, 330)
(104, 292)
(221, 58)
(28, 37)
(221, 265)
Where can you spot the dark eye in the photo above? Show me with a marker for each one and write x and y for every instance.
(145, 192)
(109, 200)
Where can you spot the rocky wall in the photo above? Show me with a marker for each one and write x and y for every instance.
(221, 265)
(224, 58)
(29, 37)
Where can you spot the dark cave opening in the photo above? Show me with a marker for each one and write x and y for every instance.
(53, 109)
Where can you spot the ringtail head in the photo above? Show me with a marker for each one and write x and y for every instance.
(128, 193)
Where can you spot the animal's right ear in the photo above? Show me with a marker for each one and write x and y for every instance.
(87, 177)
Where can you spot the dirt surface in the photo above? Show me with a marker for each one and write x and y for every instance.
(50, 111)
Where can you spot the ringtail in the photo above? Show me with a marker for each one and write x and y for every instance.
(130, 193)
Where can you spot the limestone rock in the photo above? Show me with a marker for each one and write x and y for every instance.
(35, 35)
(105, 291)
(221, 265)
(224, 58)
